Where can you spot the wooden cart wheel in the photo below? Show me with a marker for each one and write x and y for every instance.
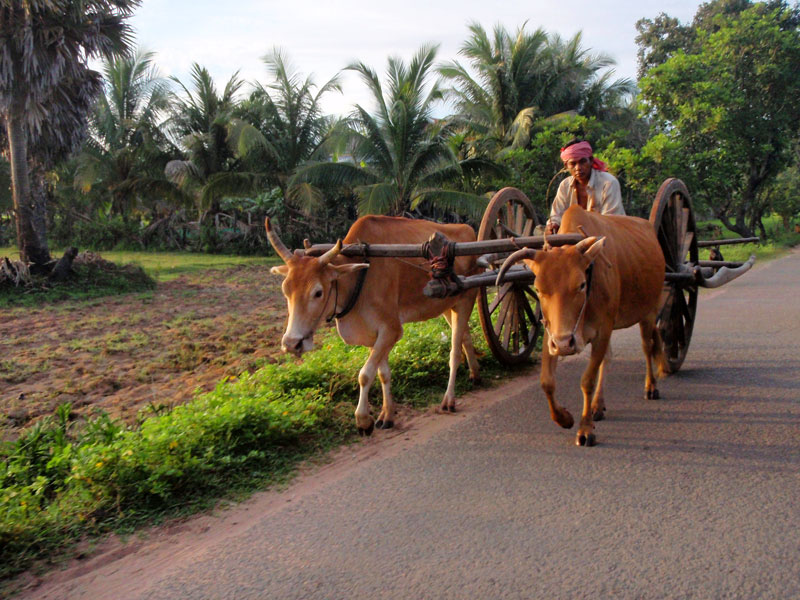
(510, 315)
(673, 218)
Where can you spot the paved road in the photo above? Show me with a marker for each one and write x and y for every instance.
(693, 496)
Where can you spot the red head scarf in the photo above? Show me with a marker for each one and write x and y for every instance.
(582, 150)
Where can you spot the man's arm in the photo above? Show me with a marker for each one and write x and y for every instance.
(560, 204)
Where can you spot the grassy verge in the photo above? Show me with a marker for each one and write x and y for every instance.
(89, 280)
(165, 266)
(778, 243)
(58, 483)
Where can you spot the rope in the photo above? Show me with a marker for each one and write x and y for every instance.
(351, 302)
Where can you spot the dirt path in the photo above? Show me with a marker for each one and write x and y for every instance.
(137, 352)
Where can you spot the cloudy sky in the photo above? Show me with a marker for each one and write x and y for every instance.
(321, 37)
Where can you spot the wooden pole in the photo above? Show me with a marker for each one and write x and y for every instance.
(461, 248)
(710, 243)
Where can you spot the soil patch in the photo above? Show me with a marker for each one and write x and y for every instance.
(136, 354)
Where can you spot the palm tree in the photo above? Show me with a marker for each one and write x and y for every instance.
(281, 126)
(201, 120)
(45, 82)
(401, 157)
(523, 78)
(127, 151)
(510, 71)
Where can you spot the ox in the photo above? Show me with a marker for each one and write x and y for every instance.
(326, 288)
(610, 280)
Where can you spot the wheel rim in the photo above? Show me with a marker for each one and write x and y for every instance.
(673, 218)
(509, 315)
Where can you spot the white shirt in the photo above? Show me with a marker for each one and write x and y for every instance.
(603, 196)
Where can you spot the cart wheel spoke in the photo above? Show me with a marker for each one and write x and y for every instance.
(509, 315)
(500, 295)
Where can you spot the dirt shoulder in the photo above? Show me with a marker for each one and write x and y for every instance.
(146, 351)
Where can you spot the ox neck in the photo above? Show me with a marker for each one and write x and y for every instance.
(351, 301)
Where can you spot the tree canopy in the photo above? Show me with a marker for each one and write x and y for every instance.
(726, 101)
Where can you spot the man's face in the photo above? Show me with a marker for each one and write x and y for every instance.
(580, 168)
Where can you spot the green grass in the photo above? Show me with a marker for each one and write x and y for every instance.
(89, 281)
(165, 266)
(59, 483)
(777, 244)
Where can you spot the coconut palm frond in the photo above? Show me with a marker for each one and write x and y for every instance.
(465, 204)
(306, 197)
(377, 199)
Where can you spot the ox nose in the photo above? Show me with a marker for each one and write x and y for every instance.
(292, 344)
(563, 345)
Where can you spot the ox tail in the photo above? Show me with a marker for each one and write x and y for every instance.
(658, 354)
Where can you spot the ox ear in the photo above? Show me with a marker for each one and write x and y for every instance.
(592, 247)
(280, 270)
(340, 270)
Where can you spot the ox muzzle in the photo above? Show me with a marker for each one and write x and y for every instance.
(297, 344)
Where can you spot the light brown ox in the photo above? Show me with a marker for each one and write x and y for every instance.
(318, 288)
(610, 280)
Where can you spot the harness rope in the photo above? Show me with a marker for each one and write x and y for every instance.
(362, 275)
(589, 271)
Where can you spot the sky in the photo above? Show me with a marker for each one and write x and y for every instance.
(322, 37)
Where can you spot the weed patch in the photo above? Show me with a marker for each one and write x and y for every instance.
(60, 480)
(90, 279)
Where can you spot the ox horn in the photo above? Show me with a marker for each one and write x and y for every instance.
(331, 254)
(586, 243)
(516, 257)
(276, 242)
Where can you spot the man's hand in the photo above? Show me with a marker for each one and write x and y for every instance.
(551, 228)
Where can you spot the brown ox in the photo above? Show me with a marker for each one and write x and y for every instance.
(318, 289)
(610, 280)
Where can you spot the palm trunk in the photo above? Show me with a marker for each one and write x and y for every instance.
(40, 194)
(30, 245)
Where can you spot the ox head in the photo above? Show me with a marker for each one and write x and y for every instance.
(310, 288)
(562, 285)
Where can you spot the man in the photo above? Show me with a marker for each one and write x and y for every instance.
(590, 185)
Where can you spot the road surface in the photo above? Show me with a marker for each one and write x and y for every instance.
(696, 495)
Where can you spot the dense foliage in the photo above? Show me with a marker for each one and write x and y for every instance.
(718, 93)
(175, 165)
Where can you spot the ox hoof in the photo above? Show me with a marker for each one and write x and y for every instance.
(366, 431)
(381, 424)
(585, 440)
(452, 409)
(652, 394)
(565, 420)
(599, 415)
(475, 380)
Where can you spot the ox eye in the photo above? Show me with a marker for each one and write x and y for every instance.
(583, 286)
(318, 294)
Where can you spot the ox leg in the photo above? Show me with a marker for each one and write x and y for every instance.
(585, 435)
(386, 418)
(648, 331)
(459, 323)
(599, 402)
(548, 380)
(464, 306)
(378, 354)
(472, 358)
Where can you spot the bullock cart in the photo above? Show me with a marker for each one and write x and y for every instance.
(510, 315)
